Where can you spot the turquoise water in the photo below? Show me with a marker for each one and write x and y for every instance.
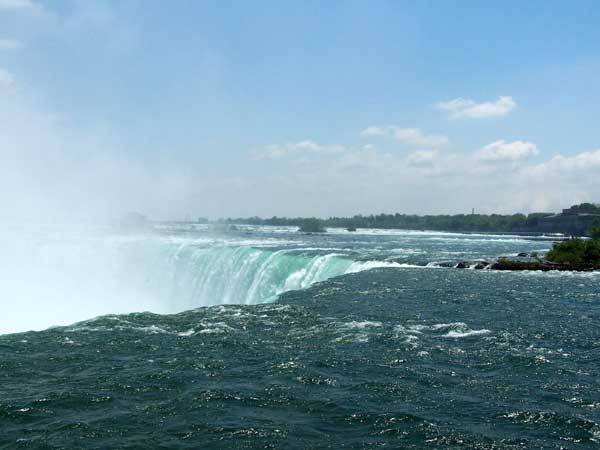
(266, 338)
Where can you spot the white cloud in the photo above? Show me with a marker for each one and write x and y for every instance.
(413, 137)
(507, 151)
(17, 4)
(40, 21)
(306, 147)
(578, 165)
(6, 79)
(464, 107)
(375, 131)
(9, 44)
(428, 181)
(422, 158)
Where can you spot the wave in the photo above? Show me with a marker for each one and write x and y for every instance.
(57, 276)
(57, 282)
(454, 330)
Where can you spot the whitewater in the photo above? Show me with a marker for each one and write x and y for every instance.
(56, 275)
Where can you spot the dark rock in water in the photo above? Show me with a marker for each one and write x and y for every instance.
(445, 264)
(523, 255)
(351, 229)
(312, 225)
(472, 264)
(539, 264)
(528, 262)
(511, 264)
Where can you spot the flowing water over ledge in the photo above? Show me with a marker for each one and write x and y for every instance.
(401, 356)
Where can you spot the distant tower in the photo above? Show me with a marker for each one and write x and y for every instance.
(473, 211)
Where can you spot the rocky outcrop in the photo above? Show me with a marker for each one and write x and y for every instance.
(524, 261)
(477, 265)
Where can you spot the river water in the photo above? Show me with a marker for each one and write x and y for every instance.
(262, 337)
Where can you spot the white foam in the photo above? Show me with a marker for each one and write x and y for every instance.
(215, 328)
(151, 329)
(361, 266)
(463, 334)
(189, 332)
(362, 325)
(453, 330)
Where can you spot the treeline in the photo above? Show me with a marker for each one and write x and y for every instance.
(460, 222)
(583, 208)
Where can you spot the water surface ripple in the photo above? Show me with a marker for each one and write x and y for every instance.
(393, 357)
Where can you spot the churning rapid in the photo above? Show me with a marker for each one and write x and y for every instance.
(57, 278)
(261, 337)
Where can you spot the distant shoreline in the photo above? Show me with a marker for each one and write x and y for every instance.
(577, 220)
(550, 236)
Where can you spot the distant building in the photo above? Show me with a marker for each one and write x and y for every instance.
(575, 221)
(584, 208)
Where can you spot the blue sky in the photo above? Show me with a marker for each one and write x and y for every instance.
(298, 108)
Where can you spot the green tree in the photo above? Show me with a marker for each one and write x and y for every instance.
(568, 252)
(591, 254)
(595, 231)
